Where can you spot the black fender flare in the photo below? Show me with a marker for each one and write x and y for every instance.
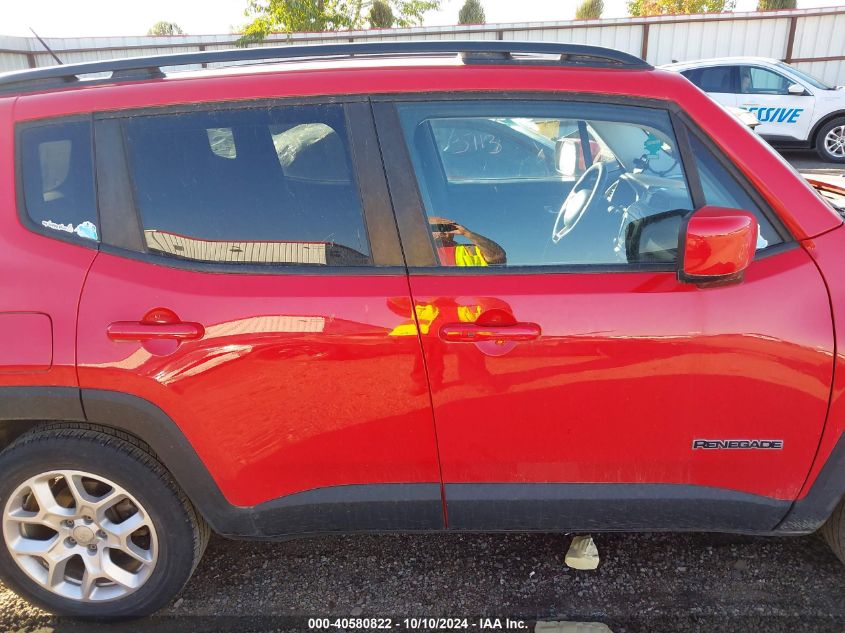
(140, 418)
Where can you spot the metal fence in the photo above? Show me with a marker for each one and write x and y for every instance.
(811, 39)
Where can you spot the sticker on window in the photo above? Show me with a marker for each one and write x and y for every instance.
(85, 229)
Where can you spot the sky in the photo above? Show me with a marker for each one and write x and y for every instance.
(79, 18)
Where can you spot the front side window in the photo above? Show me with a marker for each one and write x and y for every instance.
(759, 81)
(721, 189)
(542, 184)
(58, 178)
(552, 184)
(268, 185)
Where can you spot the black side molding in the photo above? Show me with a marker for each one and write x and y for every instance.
(809, 513)
(352, 508)
(562, 507)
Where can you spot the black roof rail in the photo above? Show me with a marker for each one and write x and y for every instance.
(474, 51)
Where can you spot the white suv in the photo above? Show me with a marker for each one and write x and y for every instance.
(795, 110)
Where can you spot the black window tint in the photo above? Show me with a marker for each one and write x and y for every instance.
(253, 185)
(713, 79)
(722, 190)
(523, 183)
(58, 178)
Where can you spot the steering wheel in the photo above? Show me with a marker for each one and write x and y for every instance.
(578, 200)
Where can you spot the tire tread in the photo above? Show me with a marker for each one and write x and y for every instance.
(109, 439)
(820, 136)
(833, 531)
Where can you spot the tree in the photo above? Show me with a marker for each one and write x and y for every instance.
(589, 10)
(660, 7)
(165, 28)
(472, 13)
(771, 5)
(291, 16)
(381, 15)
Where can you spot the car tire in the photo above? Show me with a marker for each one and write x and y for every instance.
(833, 531)
(93, 526)
(830, 141)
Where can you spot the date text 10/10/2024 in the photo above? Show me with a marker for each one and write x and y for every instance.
(428, 624)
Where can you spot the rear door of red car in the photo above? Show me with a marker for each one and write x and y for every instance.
(571, 371)
(255, 298)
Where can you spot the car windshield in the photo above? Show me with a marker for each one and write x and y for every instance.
(816, 83)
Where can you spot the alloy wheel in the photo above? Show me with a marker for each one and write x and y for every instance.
(80, 536)
(834, 142)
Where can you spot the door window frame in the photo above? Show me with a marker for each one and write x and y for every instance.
(411, 216)
(121, 228)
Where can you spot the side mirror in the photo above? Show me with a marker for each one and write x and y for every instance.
(717, 245)
(796, 90)
(568, 156)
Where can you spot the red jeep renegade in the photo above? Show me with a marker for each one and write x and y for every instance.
(460, 286)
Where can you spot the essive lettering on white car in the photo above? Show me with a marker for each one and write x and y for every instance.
(795, 109)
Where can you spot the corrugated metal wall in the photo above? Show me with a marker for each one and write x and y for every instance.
(698, 39)
(812, 39)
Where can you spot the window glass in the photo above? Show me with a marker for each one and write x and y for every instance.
(58, 178)
(813, 81)
(722, 190)
(713, 79)
(251, 185)
(311, 151)
(522, 183)
(760, 81)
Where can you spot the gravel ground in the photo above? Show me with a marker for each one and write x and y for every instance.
(646, 582)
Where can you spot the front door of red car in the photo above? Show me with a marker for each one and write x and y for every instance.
(256, 299)
(571, 371)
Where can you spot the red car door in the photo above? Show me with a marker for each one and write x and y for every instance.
(256, 300)
(576, 382)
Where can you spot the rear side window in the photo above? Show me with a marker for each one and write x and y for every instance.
(715, 79)
(58, 178)
(268, 185)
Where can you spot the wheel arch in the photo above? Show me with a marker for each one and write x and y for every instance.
(822, 122)
(25, 408)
